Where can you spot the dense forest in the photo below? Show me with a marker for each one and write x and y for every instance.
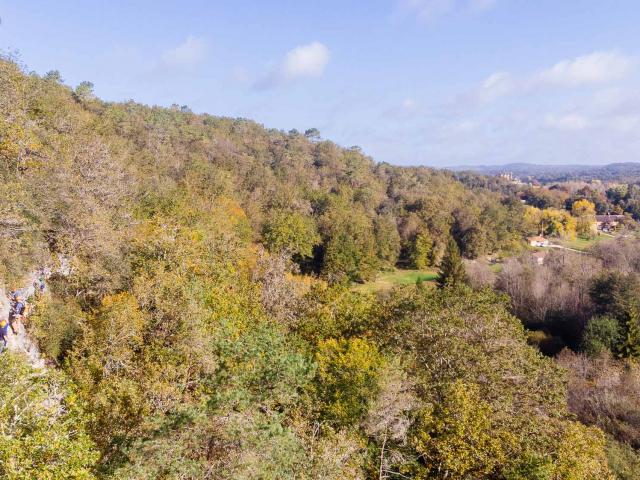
(200, 323)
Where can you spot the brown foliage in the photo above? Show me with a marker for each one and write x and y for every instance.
(555, 294)
(605, 392)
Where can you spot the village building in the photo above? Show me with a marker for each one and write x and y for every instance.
(508, 176)
(538, 241)
(608, 223)
(539, 257)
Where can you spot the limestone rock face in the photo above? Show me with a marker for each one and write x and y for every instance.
(21, 342)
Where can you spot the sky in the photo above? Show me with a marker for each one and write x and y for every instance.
(411, 82)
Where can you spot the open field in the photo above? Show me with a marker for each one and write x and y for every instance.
(388, 280)
(584, 244)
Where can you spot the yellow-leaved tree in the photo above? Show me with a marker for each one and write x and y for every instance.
(585, 213)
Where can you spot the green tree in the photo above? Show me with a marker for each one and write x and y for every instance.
(56, 324)
(312, 134)
(84, 91)
(350, 248)
(456, 438)
(471, 233)
(53, 76)
(616, 295)
(42, 425)
(623, 460)
(630, 345)
(421, 250)
(387, 239)
(347, 378)
(452, 272)
(532, 467)
(458, 336)
(291, 233)
(581, 454)
(603, 333)
(336, 311)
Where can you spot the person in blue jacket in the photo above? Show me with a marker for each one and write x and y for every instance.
(16, 312)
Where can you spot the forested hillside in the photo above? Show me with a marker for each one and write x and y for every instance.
(200, 325)
(621, 172)
(87, 172)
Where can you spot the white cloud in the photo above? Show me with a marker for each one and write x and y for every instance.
(615, 108)
(428, 10)
(186, 55)
(594, 69)
(616, 101)
(496, 85)
(305, 61)
(570, 121)
(584, 109)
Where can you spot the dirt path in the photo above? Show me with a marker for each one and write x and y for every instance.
(561, 247)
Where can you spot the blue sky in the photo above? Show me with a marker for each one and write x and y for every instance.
(434, 82)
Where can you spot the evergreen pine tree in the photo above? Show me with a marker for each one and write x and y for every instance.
(452, 271)
(630, 347)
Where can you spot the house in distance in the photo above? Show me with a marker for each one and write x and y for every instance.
(539, 257)
(538, 241)
(608, 223)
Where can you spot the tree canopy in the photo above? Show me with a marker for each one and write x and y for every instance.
(200, 321)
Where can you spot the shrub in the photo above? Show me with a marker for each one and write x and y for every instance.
(623, 460)
(348, 372)
(603, 333)
(43, 428)
(531, 468)
(56, 324)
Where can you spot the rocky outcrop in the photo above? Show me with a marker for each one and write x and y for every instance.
(21, 342)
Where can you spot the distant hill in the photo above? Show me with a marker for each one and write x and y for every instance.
(550, 173)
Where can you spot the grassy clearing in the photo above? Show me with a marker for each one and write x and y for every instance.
(388, 280)
(582, 243)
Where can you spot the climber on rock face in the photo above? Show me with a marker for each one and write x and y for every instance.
(4, 331)
(39, 284)
(16, 312)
